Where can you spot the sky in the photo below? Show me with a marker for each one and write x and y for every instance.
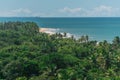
(59, 8)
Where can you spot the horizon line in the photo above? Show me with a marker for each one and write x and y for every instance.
(57, 17)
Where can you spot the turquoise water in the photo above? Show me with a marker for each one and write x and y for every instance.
(96, 28)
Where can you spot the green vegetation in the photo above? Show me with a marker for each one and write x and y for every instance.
(27, 54)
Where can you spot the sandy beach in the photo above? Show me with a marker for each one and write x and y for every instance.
(49, 31)
(43, 29)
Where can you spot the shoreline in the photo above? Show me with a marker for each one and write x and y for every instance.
(52, 31)
(49, 31)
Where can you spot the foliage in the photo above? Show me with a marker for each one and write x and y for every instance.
(27, 54)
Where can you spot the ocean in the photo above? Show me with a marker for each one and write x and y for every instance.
(97, 28)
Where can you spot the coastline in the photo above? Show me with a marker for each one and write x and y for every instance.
(49, 31)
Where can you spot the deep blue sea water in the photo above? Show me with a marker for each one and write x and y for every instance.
(96, 28)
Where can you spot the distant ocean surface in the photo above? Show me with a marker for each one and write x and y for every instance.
(96, 28)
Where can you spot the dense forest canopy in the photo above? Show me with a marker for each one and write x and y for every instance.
(27, 54)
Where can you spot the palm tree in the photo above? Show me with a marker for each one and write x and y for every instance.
(116, 40)
(72, 37)
(105, 42)
(83, 38)
(86, 38)
(65, 34)
(60, 35)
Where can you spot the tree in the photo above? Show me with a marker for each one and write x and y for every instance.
(87, 38)
(65, 34)
(116, 40)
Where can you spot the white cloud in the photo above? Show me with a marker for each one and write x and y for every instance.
(93, 12)
(103, 8)
(24, 12)
(105, 11)
(98, 11)
(21, 10)
(71, 10)
(16, 12)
